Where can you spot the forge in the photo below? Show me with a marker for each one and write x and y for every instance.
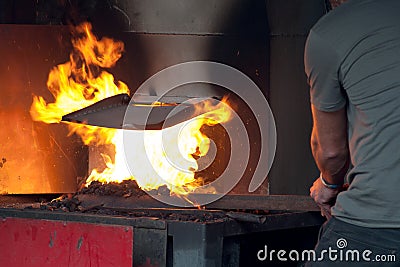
(101, 165)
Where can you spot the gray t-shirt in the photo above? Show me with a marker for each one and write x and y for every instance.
(352, 60)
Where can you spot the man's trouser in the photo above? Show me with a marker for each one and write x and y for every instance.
(344, 244)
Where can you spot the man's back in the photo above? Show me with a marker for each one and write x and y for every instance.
(353, 59)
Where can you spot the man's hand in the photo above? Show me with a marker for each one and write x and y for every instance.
(324, 197)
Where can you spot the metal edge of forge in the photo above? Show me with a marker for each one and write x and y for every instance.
(227, 202)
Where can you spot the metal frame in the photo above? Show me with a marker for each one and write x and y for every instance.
(181, 243)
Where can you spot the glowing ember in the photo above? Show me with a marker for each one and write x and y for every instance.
(82, 81)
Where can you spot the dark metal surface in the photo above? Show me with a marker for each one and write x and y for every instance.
(246, 217)
(279, 221)
(149, 247)
(266, 202)
(243, 202)
(208, 244)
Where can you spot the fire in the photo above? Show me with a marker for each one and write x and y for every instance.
(83, 80)
(173, 151)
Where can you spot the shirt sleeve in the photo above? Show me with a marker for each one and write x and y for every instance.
(322, 66)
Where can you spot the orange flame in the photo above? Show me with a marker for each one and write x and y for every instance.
(177, 167)
(82, 81)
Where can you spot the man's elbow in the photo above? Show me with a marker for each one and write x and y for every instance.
(336, 153)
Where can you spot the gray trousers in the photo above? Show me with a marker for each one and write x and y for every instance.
(344, 244)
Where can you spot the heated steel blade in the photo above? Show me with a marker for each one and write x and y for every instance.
(121, 113)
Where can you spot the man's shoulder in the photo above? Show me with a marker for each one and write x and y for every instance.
(333, 21)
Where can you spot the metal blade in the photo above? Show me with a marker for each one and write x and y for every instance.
(108, 112)
(121, 113)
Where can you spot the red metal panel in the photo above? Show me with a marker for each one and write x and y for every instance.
(40, 243)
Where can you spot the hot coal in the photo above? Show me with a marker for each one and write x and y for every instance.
(71, 203)
(63, 203)
(126, 188)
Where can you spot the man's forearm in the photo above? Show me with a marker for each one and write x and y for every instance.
(329, 144)
(332, 164)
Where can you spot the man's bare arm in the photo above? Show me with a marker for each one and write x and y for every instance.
(329, 144)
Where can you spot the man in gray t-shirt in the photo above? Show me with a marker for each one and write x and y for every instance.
(352, 60)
